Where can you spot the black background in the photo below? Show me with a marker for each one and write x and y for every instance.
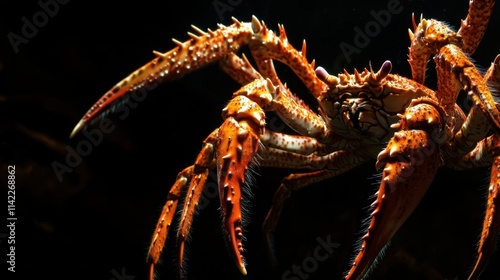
(97, 222)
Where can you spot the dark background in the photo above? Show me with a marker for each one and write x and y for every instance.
(97, 222)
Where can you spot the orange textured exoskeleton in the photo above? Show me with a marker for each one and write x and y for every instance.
(409, 129)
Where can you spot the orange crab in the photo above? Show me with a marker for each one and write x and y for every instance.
(408, 128)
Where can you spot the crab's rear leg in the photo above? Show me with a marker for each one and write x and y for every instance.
(232, 148)
(289, 185)
(410, 163)
(299, 152)
(193, 178)
(491, 224)
(165, 221)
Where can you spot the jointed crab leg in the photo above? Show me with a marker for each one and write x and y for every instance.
(355, 111)
(232, 147)
(473, 27)
(491, 225)
(193, 178)
(237, 146)
(166, 217)
(290, 184)
(203, 48)
(464, 75)
(452, 65)
(474, 128)
(430, 35)
(410, 161)
(238, 137)
(463, 153)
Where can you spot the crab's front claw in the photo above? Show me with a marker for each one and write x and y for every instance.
(236, 149)
(410, 162)
(208, 46)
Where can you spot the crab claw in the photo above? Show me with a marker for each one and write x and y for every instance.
(235, 153)
(172, 65)
(236, 149)
(410, 162)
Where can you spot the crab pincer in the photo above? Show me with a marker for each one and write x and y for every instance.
(236, 149)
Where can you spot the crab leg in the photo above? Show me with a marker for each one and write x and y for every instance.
(240, 69)
(454, 69)
(193, 178)
(203, 48)
(266, 47)
(294, 151)
(410, 161)
(165, 221)
(486, 151)
(235, 151)
(492, 76)
(451, 58)
(204, 162)
(491, 224)
(290, 184)
(430, 35)
(476, 125)
(233, 147)
(244, 118)
(473, 27)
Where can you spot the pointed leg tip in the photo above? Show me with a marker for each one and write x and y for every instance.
(181, 254)
(79, 126)
(151, 271)
(238, 256)
(242, 268)
(235, 238)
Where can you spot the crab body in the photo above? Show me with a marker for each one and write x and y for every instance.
(409, 129)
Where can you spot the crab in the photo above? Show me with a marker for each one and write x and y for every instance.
(407, 128)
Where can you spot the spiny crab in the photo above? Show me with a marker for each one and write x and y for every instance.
(409, 129)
